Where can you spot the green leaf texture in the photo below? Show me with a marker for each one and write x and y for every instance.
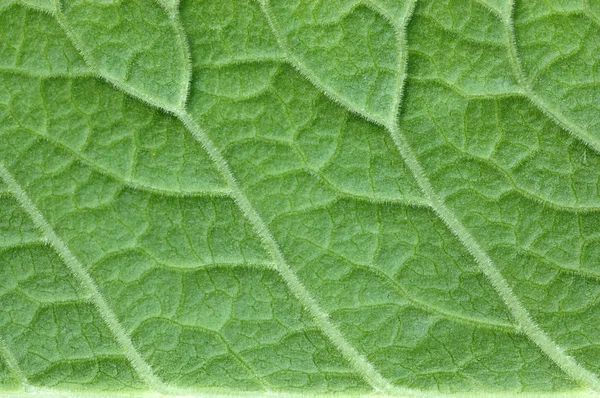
(389, 197)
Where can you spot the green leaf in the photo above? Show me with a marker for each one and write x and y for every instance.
(397, 198)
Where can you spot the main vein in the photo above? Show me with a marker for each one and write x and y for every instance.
(567, 363)
(84, 278)
(320, 317)
(526, 323)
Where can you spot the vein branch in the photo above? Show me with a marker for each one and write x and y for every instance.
(567, 363)
(187, 61)
(297, 63)
(89, 285)
(546, 108)
(13, 365)
(524, 320)
(400, 31)
(319, 316)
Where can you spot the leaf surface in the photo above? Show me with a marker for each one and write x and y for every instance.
(397, 198)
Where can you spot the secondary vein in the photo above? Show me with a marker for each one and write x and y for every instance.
(485, 263)
(320, 317)
(13, 365)
(547, 109)
(84, 278)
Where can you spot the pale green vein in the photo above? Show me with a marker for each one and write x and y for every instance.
(307, 73)
(84, 278)
(13, 365)
(524, 320)
(132, 91)
(251, 370)
(323, 86)
(526, 323)
(127, 88)
(493, 9)
(563, 121)
(375, 198)
(173, 14)
(459, 90)
(547, 109)
(423, 305)
(400, 31)
(320, 317)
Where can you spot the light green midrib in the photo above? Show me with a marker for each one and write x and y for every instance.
(521, 315)
(88, 284)
(321, 318)
(567, 363)
(526, 89)
(142, 367)
(526, 323)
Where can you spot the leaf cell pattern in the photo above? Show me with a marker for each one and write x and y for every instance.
(351, 196)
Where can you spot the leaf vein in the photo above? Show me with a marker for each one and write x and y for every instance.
(14, 366)
(183, 44)
(547, 109)
(80, 273)
(485, 263)
(320, 317)
(422, 304)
